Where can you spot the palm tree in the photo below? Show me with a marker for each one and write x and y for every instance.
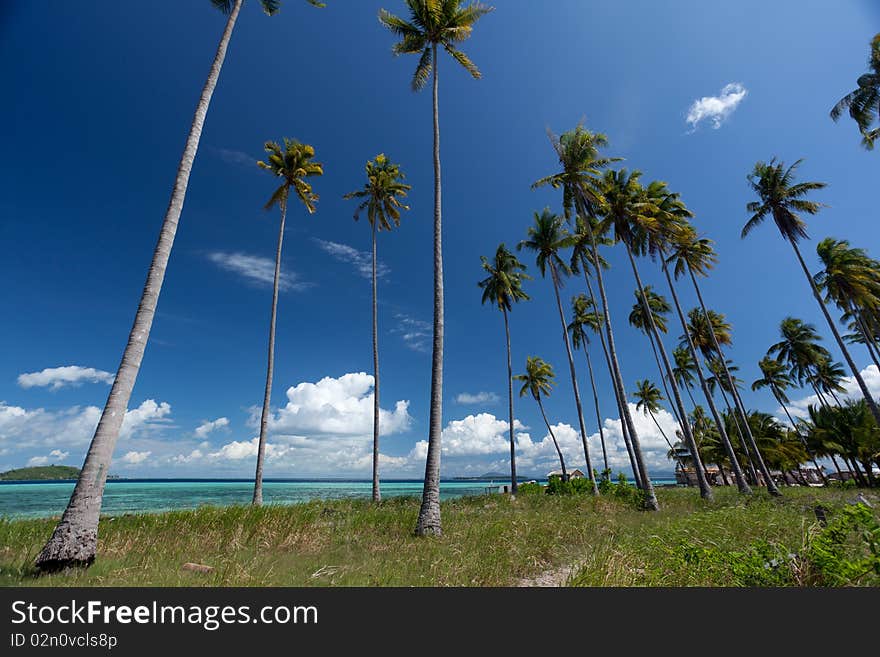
(580, 180)
(582, 260)
(381, 199)
(863, 103)
(546, 238)
(827, 377)
(801, 350)
(852, 280)
(75, 539)
(539, 380)
(684, 369)
(584, 316)
(626, 210)
(434, 23)
(293, 164)
(502, 287)
(648, 398)
(783, 199)
(696, 255)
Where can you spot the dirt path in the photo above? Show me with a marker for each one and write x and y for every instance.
(551, 578)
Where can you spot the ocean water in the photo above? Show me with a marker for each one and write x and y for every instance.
(45, 499)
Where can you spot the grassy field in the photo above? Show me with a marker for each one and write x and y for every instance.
(488, 541)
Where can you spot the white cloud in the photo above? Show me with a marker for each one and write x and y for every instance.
(207, 427)
(257, 269)
(716, 108)
(415, 333)
(55, 457)
(362, 261)
(235, 157)
(135, 458)
(478, 398)
(871, 376)
(59, 377)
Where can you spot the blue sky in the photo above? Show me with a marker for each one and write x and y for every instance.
(99, 98)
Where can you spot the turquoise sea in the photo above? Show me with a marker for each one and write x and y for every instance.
(45, 499)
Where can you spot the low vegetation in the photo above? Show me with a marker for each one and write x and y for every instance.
(41, 473)
(487, 541)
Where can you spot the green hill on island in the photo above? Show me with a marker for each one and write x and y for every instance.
(43, 472)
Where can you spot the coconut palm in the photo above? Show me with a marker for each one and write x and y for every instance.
(800, 349)
(433, 23)
(293, 164)
(503, 287)
(828, 378)
(782, 198)
(74, 541)
(695, 255)
(648, 398)
(627, 211)
(580, 181)
(585, 316)
(863, 103)
(546, 238)
(539, 380)
(851, 280)
(381, 198)
(683, 371)
(582, 260)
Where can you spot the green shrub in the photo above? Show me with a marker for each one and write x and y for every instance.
(847, 549)
(530, 488)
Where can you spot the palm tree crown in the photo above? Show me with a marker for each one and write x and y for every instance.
(539, 378)
(648, 396)
(799, 348)
(659, 307)
(434, 23)
(863, 103)
(270, 7)
(774, 377)
(294, 164)
(584, 316)
(849, 277)
(503, 285)
(546, 238)
(780, 197)
(382, 193)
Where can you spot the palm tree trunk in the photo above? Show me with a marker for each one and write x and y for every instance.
(553, 436)
(270, 366)
(429, 513)
(620, 404)
(723, 473)
(875, 411)
(741, 482)
(870, 344)
(647, 486)
(377, 493)
(513, 486)
(836, 466)
(574, 385)
(778, 395)
(596, 403)
(771, 486)
(675, 413)
(705, 489)
(75, 538)
(690, 392)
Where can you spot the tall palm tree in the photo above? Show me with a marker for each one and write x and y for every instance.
(546, 238)
(695, 255)
(75, 539)
(585, 316)
(539, 380)
(801, 350)
(863, 103)
(683, 371)
(293, 164)
(581, 184)
(828, 378)
(503, 287)
(381, 199)
(582, 260)
(851, 280)
(434, 23)
(628, 213)
(782, 198)
(648, 398)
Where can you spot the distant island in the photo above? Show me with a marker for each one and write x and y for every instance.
(41, 473)
(496, 475)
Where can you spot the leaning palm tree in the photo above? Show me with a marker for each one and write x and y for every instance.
(780, 197)
(828, 377)
(799, 348)
(585, 316)
(863, 103)
(581, 183)
(434, 23)
(648, 398)
(381, 199)
(503, 287)
(683, 371)
(75, 539)
(293, 164)
(539, 380)
(546, 238)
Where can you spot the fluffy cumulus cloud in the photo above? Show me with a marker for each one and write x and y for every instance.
(60, 377)
(716, 109)
(55, 457)
(209, 426)
(362, 261)
(871, 376)
(257, 269)
(135, 458)
(477, 398)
